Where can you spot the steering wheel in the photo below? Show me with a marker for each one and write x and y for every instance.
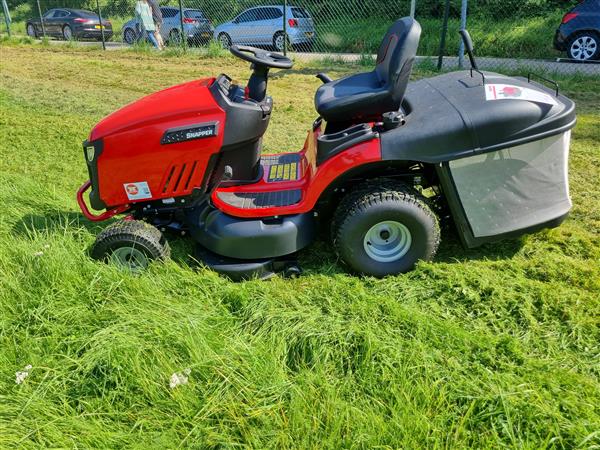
(261, 57)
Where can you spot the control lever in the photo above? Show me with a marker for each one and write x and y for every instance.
(226, 176)
(324, 77)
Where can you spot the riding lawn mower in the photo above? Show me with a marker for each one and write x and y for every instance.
(382, 161)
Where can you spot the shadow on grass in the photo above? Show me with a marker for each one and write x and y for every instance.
(319, 257)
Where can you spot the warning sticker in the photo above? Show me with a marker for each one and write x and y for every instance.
(510, 92)
(283, 172)
(137, 191)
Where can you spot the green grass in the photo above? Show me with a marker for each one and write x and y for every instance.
(486, 348)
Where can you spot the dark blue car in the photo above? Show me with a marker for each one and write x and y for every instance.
(579, 32)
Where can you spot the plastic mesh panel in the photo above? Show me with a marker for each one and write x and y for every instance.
(514, 188)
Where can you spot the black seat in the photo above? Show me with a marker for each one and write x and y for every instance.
(368, 95)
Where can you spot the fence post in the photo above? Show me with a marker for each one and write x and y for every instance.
(463, 25)
(41, 18)
(101, 24)
(413, 5)
(285, 27)
(182, 34)
(443, 36)
(7, 18)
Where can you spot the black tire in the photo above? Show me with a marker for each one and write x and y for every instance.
(584, 46)
(225, 40)
(67, 33)
(31, 31)
(395, 211)
(129, 36)
(278, 41)
(132, 244)
(174, 37)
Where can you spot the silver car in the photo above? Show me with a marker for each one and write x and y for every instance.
(197, 28)
(263, 26)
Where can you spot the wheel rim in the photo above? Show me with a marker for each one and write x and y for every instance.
(387, 241)
(279, 42)
(67, 33)
(129, 258)
(583, 48)
(30, 31)
(224, 40)
(175, 37)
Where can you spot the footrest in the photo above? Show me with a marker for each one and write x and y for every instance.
(283, 167)
(255, 200)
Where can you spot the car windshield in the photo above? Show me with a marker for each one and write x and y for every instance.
(300, 13)
(193, 14)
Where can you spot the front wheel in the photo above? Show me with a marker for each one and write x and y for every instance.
(31, 31)
(224, 40)
(129, 36)
(584, 47)
(384, 228)
(131, 245)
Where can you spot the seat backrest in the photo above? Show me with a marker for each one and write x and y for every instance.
(396, 56)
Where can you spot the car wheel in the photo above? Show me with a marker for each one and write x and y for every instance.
(31, 31)
(584, 47)
(224, 40)
(67, 33)
(175, 37)
(131, 245)
(129, 36)
(383, 228)
(279, 41)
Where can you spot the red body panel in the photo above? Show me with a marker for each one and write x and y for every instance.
(132, 150)
(313, 182)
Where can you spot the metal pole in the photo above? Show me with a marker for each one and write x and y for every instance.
(183, 38)
(463, 25)
(285, 27)
(101, 24)
(443, 36)
(413, 5)
(7, 18)
(41, 18)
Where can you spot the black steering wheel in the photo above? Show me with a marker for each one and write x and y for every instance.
(261, 57)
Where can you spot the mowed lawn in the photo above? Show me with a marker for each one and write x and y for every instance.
(486, 348)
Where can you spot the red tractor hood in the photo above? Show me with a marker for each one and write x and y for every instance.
(177, 102)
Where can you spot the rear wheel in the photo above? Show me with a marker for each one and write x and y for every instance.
(584, 47)
(384, 228)
(129, 36)
(279, 41)
(131, 245)
(175, 37)
(31, 31)
(224, 40)
(67, 33)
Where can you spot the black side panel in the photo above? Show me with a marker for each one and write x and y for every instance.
(250, 238)
(91, 153)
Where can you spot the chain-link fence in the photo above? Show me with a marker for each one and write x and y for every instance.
(550, 35)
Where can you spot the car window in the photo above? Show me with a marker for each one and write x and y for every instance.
(168, 12)
(49, 14)
(300, 13)
(60, 13)
(193, 14)
(273, 13)
(247, 16)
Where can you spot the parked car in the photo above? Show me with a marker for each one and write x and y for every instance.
(196, 27)
(263, 26)
(579, 32)
(68, 24)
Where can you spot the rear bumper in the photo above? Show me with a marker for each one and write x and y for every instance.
(302, 36)
(92, 33)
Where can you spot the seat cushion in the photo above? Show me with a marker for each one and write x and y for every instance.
(360, 95)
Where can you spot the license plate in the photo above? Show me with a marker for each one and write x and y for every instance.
(205, 35)
(99, 27)
(309, 34)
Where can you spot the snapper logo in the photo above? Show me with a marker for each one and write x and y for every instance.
(132, 189)
(511, 91)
